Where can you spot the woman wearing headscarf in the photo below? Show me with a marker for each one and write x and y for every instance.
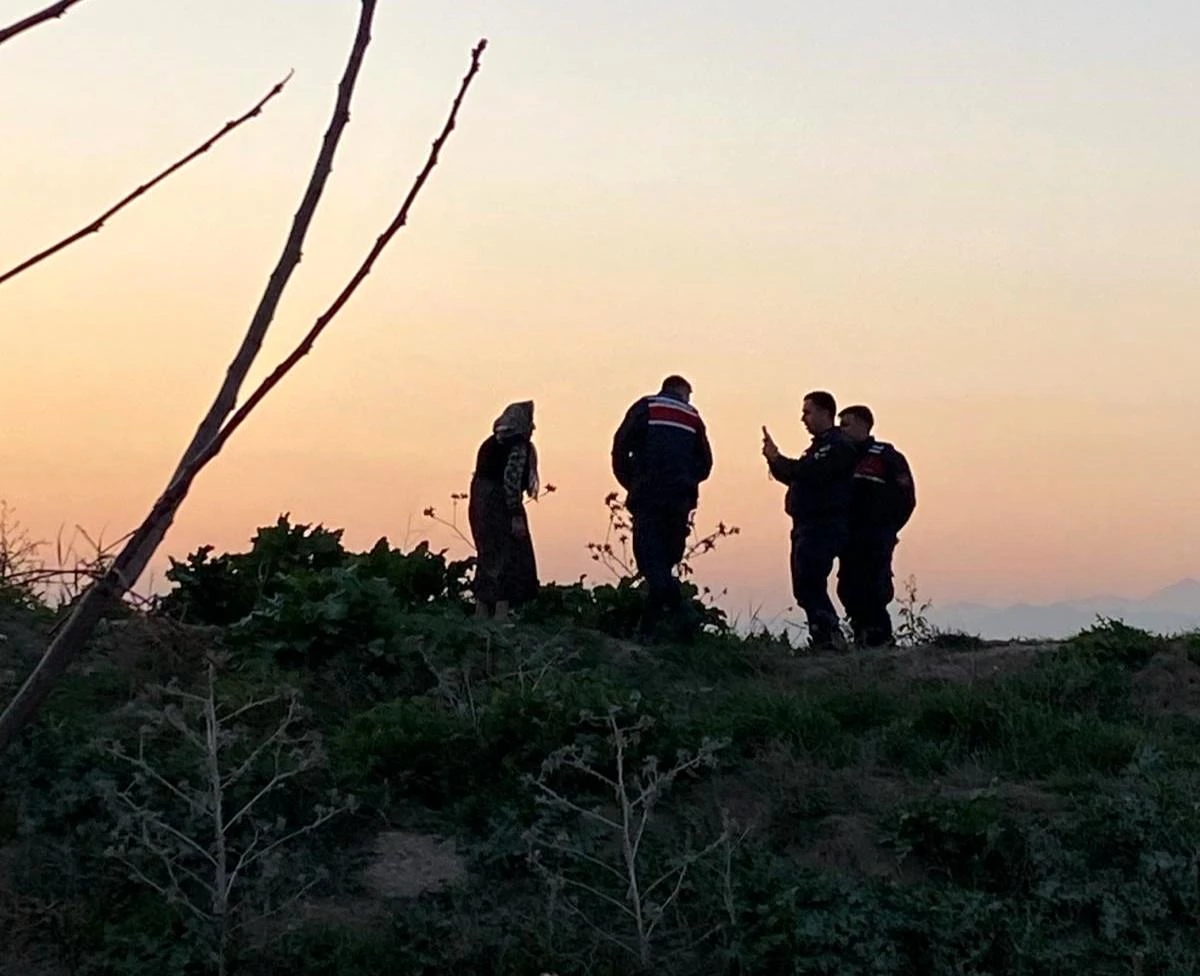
(505, 471)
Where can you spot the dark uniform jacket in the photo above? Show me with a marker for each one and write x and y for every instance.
(820, 480)
(884, 495)
(660, 453)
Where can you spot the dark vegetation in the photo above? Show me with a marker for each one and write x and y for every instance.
(447, 796)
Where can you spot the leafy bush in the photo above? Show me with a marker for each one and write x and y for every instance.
(224, 590)
(751, 721)
(614, 608)
(807, 922)
(412, 746)
(1114, 640)
(1017, 732)
(440, 755)
(971, 840)
(418, 578)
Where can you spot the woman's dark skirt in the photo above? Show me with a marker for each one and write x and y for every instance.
(505, 566)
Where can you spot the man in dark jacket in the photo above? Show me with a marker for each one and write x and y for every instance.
(660, 454)
(883, 501)
(818, 500)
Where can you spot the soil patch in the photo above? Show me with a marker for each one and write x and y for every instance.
(406, 865)
(1169, 685)
(846, 842)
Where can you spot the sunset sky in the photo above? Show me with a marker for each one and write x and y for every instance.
(981, 218)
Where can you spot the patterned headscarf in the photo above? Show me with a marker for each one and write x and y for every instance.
(517, 421)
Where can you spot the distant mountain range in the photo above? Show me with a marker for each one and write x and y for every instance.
(1170, 610)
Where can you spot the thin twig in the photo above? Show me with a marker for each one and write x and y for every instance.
(172, 862)
(139, 875)
(146, 769)
(651, 792)
(452, 526)
(258, 703)
(688, 861)
(55, 10)
(175, 721)
(580, 763)
(298, 832)
(562, 802)
(243, 860)
(277, 738)
(98, 224)
(606, 936)
(276, 781)
(596, 893)
(289, 902)
(166, 828)
(559, 848)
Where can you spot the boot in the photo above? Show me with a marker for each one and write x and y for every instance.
(824, 640)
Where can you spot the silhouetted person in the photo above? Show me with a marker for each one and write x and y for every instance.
(818, 501)
(505, 470)
(883, 501)
(660, 454)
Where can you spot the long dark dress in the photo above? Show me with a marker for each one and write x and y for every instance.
(505, 566)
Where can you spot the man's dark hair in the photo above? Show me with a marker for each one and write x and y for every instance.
(823, 401)
(860, 412)
(676, 382)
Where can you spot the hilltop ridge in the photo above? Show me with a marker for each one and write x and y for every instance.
(551, 796)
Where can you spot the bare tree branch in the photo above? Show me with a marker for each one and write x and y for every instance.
(132, 560)
(96, 225)
(227, 395)
(169, 502)
(50, 13)
(364, 269)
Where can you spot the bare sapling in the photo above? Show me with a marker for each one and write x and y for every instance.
(611, 882)
(914, 628)
(193, 821)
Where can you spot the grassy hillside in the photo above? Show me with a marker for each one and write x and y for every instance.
(551, 797)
